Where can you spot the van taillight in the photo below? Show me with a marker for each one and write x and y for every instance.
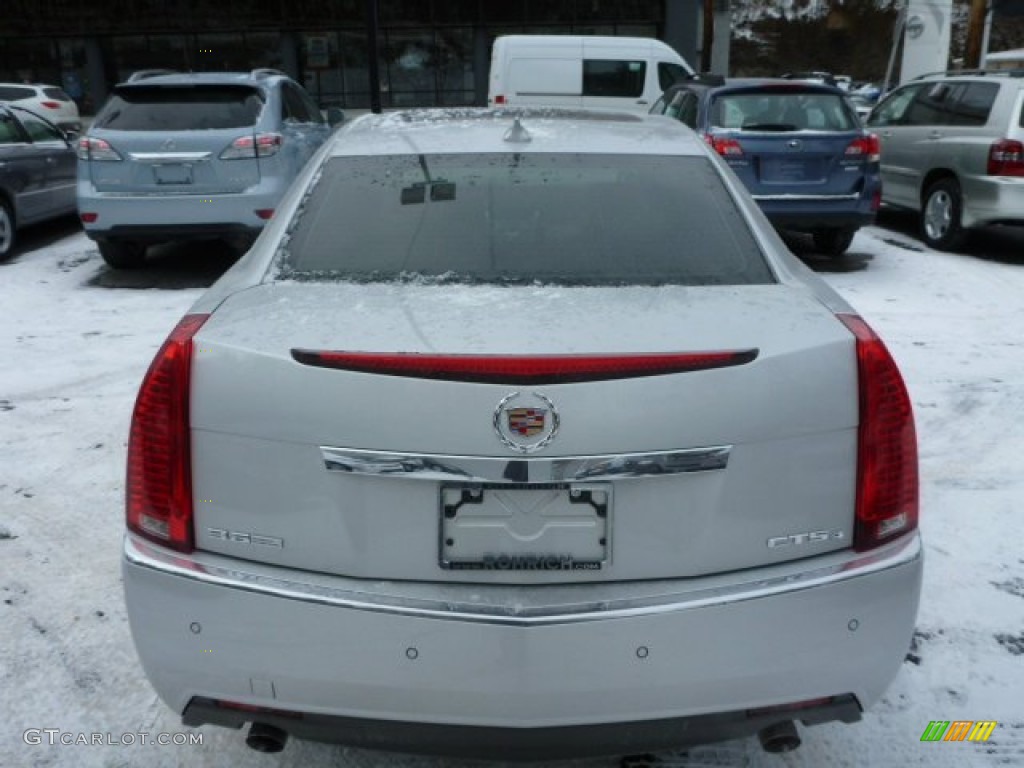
(887, 482)
(499, 99)
(158, 490)
(1006, 158)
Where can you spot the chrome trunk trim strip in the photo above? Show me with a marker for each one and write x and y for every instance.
(486, 469)
(521, 605)
(809, 198)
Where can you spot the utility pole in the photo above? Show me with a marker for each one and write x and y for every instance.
(373, 68)
(708, 37)
(975, 30)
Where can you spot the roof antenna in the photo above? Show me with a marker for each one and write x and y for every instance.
(518, 133)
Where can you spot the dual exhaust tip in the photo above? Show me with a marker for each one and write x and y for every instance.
(776, 738)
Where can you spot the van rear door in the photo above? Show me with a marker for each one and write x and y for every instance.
(541, 73)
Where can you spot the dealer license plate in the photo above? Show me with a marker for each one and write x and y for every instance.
(525, 527)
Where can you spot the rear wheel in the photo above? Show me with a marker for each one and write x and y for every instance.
(6, 230)
(833, 242)
(941, 225)
(122, 255)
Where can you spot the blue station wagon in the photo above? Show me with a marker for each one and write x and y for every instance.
(797, 146)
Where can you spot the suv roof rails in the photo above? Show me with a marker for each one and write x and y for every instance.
(973, 72)
(707, 78)
(144, 74)
(267, 72)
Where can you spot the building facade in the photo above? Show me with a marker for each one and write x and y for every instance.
(431, 52)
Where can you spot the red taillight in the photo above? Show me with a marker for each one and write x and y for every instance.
(158, 492)
(88, 218)
(499, 99)
(1006, 158)
(724, 147)
(523, 369)
(96, 149)
(248, 147)
(887, 486)
(867, 147)
(265, 213)
(876, 200)
(51, 104)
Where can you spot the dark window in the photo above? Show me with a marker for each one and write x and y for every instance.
(13, 93)
(613, 78)
(783, 110)
(975, 104)
(294, 106)
(933, 104)
(9, 131)
(172, 108)
(893, 110)
(39, 130)
(57, 94)
(688, 109)
(522, 217)
(670, 74)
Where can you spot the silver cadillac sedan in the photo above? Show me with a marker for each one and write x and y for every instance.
(519, 434)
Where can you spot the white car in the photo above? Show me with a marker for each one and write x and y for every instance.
(521, 434)
(48, 101)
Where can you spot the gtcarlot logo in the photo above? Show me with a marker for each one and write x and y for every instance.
(55, 736)
(959, 730)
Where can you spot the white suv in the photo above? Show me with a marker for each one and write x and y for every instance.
(47, 101)
(953, 150)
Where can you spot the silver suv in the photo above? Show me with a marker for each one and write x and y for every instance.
(952, 150)
(189, 156)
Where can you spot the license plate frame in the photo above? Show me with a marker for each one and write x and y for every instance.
(520, 527)
(172, 173)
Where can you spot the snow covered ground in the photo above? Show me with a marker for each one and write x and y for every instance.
(75, 339)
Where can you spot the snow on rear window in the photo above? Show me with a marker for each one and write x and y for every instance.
(512, 218)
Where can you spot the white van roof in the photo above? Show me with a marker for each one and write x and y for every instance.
(590, 41)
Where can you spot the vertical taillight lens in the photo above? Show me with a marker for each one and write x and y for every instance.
(158, 492)
(96, 149)
(723, 146)
(249, 147)
(1006, 158)
(887, 483)
(867, 147)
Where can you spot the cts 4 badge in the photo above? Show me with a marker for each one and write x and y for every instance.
(525, 422)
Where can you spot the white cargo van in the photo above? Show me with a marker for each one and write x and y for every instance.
(582, 71)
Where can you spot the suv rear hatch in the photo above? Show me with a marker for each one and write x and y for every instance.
(188, 139)
(790, 141)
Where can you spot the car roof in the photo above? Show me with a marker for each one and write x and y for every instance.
(479, 130)
(745, 83)
(256, 77)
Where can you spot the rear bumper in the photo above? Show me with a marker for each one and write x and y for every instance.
(806, 219)
(158, 218)
(362, 660)
(518, 744)
(993, 200)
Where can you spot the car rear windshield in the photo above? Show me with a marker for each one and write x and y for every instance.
(782, 110)
(14, 93)
(181, 108)
(568, 219)
(56, 93)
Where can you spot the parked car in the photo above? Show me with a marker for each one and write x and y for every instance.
(187, 156)
(797, 146)
(49, 102)
(590, 71)
(37, 173)
(953, 151)
(455, 461)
